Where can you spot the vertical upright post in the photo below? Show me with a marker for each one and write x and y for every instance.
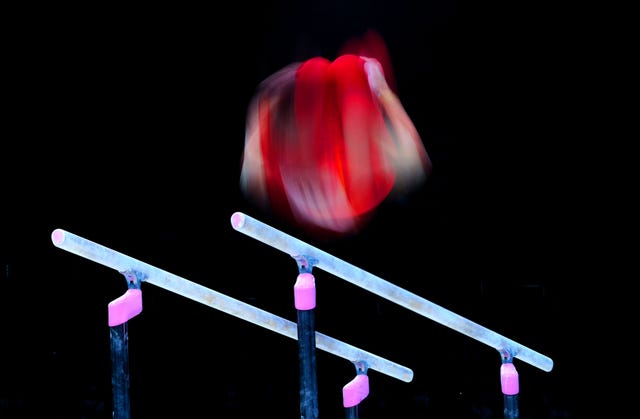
(120, 371)
(121, 310)
(305, 303)
(510, 385)
(355, 390)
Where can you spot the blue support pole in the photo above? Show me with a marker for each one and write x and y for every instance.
(121, 310)
(305, 303)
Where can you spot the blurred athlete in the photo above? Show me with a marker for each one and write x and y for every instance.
(327, 141)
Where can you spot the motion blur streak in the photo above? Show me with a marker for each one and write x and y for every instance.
(328, 141)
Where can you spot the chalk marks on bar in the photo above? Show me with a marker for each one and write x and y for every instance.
(350, 273)
(194, 291)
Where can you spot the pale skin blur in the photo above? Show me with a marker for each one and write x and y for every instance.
(265, 103)
(410, 159)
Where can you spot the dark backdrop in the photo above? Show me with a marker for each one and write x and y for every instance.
(127, 128)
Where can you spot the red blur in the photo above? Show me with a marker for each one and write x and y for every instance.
(328, 141)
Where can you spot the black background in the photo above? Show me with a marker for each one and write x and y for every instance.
(127, 128)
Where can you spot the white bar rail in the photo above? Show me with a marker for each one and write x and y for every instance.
(297, 248)
(123, 263)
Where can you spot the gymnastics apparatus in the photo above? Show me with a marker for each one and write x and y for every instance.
(307, 257)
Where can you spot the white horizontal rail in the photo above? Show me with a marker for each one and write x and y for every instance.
(123, 263)
(297, 248)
